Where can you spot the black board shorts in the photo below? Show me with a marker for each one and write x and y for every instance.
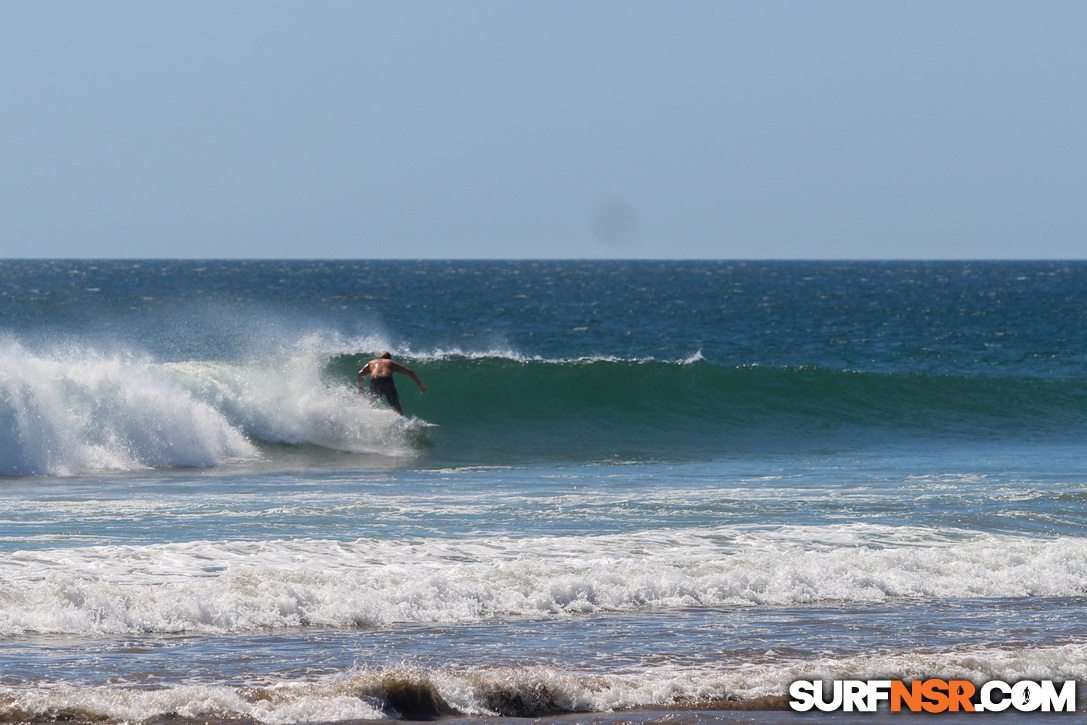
(384, 386)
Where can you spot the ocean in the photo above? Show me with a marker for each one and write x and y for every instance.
(650, 491)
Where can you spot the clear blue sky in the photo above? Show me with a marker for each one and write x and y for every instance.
(546, 129)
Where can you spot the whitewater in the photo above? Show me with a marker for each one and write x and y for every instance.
(647, 491)
(78, 411)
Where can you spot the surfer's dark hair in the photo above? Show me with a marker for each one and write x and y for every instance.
(386, 355)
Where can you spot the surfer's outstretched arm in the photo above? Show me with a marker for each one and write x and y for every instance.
(362, 374)
(407, 371)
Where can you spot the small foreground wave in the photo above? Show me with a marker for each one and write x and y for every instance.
(416, 693)
(231, 587)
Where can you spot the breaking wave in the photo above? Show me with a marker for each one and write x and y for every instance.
(78, 411)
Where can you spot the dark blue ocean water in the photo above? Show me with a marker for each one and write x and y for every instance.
(643, 485)
(923, 317)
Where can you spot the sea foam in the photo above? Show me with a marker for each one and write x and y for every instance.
(78, 412)
(244, 586)
(284, 399)
(421, 693)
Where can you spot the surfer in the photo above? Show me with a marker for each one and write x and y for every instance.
(381, 371)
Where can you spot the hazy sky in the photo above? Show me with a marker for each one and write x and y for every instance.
(543, 129)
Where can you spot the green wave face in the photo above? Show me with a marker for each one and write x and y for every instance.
(617, 409)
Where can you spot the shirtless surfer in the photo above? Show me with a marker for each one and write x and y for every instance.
(381, 371)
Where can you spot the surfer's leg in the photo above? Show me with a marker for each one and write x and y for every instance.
(393, 398)
(386, 387)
